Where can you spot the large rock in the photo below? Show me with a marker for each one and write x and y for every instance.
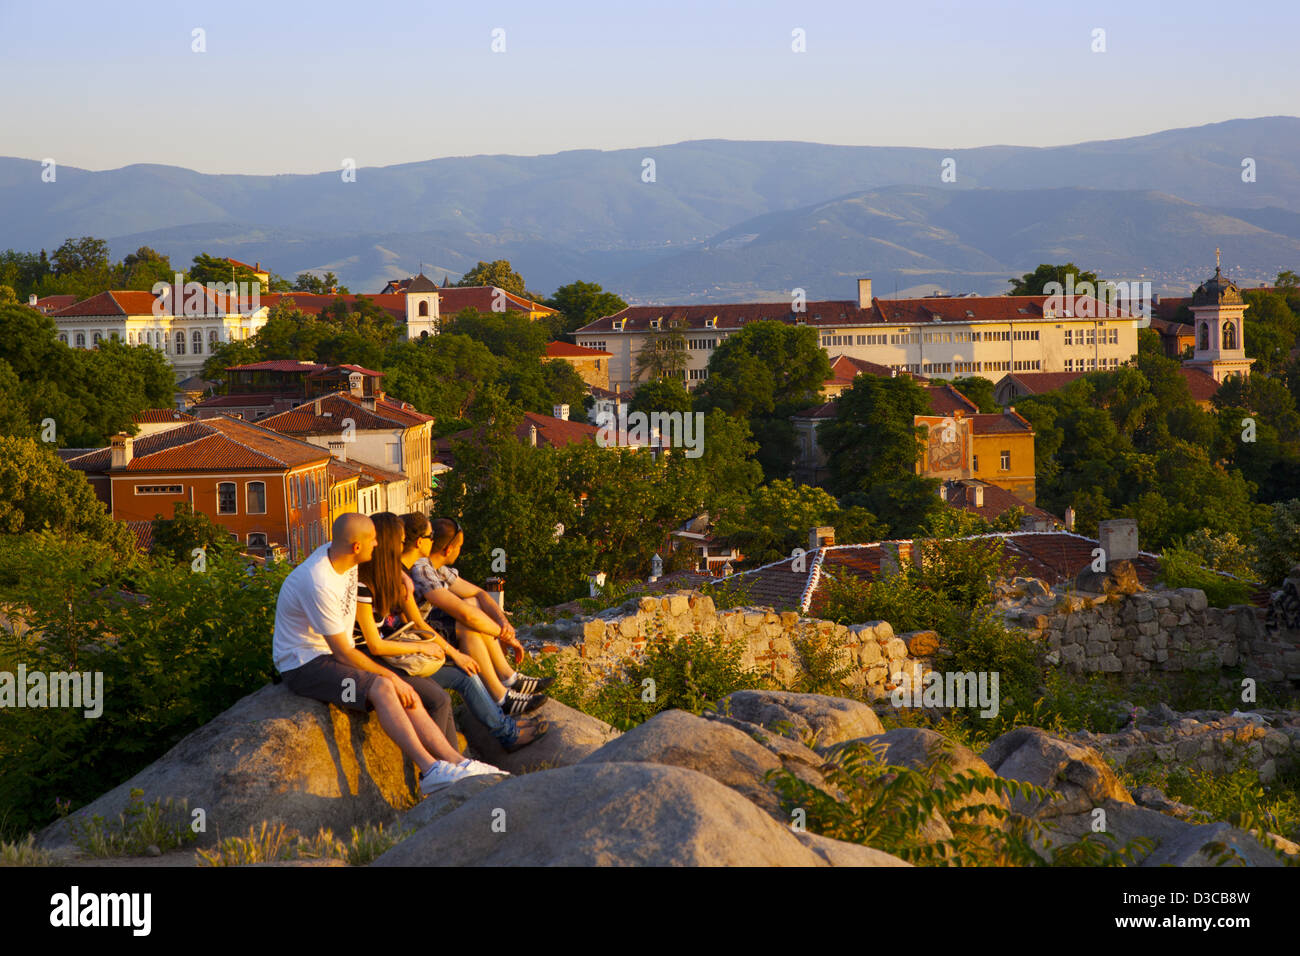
(824, 720)
(1177, 842)
(678, 739)
(804, 762)
(1120, 577)
(613, 814)
(1078, 773)
(273, 756)
(573, 735)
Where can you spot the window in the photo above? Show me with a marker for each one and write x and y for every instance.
(975, 462)
(180, 343)
(424, 309)
(1005, 461)
(227, 499)
(159, 489)
(1229, 335)
(212, 340)
(394, 453)
(97, 338)
(1069, 336)
(1069, 365)
(256, 498)
(196, 342)
(81, 340)
(1112, 336)
(63, 337)
(257, 540)
(1205, 336)
(293, 492)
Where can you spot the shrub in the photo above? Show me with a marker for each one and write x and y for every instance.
(164, 825)
(1182, 569)
(24, 854)
(887, 807)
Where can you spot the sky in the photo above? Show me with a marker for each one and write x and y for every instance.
(293, 87)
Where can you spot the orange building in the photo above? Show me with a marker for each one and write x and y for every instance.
(591, 364)
(266, 489)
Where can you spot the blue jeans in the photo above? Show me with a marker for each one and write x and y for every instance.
(480, 703)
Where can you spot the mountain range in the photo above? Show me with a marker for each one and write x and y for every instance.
(720, 220)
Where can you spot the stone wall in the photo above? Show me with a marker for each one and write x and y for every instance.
(1131, 634)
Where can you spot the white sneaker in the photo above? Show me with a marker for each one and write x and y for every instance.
(476, 768)
(441, 774)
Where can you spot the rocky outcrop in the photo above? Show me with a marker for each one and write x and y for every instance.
(676, 738)
(273, 756)
(573, 735)
(805, 717)
(616, 814)
(1079, 774)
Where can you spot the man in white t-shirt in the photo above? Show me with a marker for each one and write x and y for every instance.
(314, 652)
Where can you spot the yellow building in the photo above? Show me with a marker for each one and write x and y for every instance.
(591, 364)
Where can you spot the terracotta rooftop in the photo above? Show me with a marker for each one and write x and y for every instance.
(160, 416)
(1054, 556)
(394, 303)
(143, 531)
(1201, 384)
(999, 423)
(325, 416)
(279, 365)
(252, 399)
(212, 444)
(480, 298)
(566, 350)
(946, 400)
(997, 501)
(119, 302)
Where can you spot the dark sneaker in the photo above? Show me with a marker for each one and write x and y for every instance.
(527, 684)
(529, 733)
(516, 703)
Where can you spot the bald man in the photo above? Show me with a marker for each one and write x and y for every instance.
(315, 654)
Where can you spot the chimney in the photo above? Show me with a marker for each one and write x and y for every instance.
(257, 267)
(978, 494)
(821, 538)
(1069, 519)
(532, 435)
(561, 412)
(368, 403)
(656, 569)
(31, 300)
(864, 293)
(123, 446)
(496, 589)
(318, 408)
(339, 449)
(893, 555)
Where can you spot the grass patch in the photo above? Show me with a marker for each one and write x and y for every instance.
(276, 843)
(24, 853)
(164, 825)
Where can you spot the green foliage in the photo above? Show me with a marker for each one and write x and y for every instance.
(1033, 283)
(579, 304)
(1277, 542)
(1182, 569)
(689, 673)
(884, 409)
(38, 492)
(661, 395)
(497, 273)
(778, 515)
(1237, 797)
(727, 592)
(980, 391)
(823, 666)
(890, 807)
(177, 537)
(164, 825)
(175, 649)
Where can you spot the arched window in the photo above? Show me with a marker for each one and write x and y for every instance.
(212, 340)
(81, 340)
(196, 341)
(1205, 336)
(180, 343)
(63, 337)
(256, 504)
(257, 540)
(130, 338)
(424, 309)
(1229, 335)
(424, 335)
(96, 338)
(227, 498)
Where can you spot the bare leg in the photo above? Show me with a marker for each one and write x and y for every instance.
(432, 735)
(475, 645)
(393, 718)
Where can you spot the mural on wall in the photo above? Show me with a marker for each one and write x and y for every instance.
(947, 448)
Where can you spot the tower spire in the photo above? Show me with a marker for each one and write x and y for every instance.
(1216, 260)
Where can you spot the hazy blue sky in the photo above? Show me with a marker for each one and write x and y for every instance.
(294, 87)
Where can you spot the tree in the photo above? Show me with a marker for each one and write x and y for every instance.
(320, 285)
(874, 439)
(38, 491)
(661, 395)
(177, 537)
(496, 273)
(779, 515)
(208, 268)
(580, 303)
(84, 255)
(663, 355)
(980, 391)
(1033, 283)
(144, 268)
(441, 376)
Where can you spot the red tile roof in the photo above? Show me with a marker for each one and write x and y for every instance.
(1054, 556)
(999, 423)
(143, 531)
(98, 460)
(120, 302)
(305, 419)
(394, 303)
(1201, 384)
(997, 502)
(946, 400)
(480, 298)
(565, 350)
(280, 365)
(53, 303)
(245, 265)
(231, 445)
(845, 368)
(160, 416)
(826, 410)
(252, 400)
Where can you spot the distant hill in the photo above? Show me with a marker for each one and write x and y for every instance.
(587, 214)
